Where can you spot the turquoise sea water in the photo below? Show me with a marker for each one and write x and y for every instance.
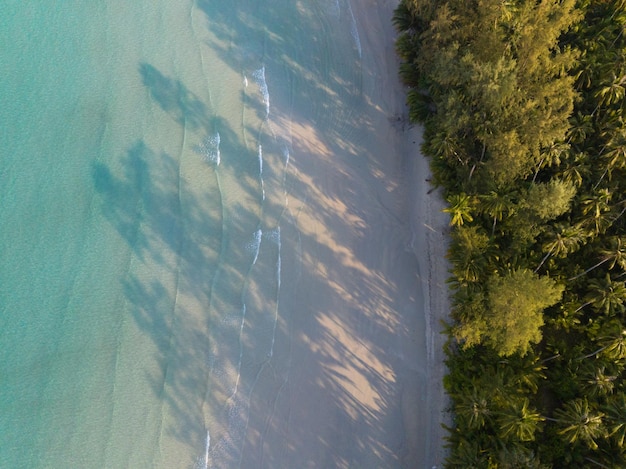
(144, 173)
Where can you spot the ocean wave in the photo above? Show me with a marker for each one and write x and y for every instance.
(260, 156)
(230, 445)
(286, 155)
(274, 236)
(203, 462)
(354, 30)
(209, 149)
(259, 78)
(254, 246)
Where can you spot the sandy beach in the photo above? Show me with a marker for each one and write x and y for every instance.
(220, 248)
(356, 375)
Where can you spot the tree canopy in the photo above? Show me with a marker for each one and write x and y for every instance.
(511, 314)
(524, 111)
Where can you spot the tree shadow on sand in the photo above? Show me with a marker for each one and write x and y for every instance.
(323, 360)
(307, 69)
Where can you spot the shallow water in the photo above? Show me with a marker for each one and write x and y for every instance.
(146, 234)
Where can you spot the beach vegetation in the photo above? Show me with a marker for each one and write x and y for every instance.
(523, 105)
(511, 317)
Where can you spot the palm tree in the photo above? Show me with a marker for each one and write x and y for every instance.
(518, 457)
(460, 208)
(403, 19)
(613, 346)
(607, 295)
(616, 252)
(474, 408)
(597, 381)
(496, 204)
(595, 208)
(419, 106)
(616, 419)
(551, 156)
(468, 455)
(518, 420)
(581, 423)
(407, 46)
(468, 267)
(577, 170)
(581, 127)
(565, 240)
(447, 147)
(568, 317)
(612, 92)
(615, 157)
(524, 372)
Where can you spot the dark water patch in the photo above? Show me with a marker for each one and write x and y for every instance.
(184, 106)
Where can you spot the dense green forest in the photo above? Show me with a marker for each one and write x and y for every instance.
(523, 108)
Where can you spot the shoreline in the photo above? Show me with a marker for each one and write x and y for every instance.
(429, 227)
(428, 231)
(355, 378)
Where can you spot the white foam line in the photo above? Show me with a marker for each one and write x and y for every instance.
(354, 31)
(259, 78)
(207, 446)
(217, 148)
(286, 156)
(209, 149)
(231, 445)
(260, 154)
(279, 261)
(241, 326)
(271, 417)
(255, 246)
(233, 442)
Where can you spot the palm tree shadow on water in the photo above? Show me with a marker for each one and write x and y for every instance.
(178, 236)
(300, 48)
(307, 80)
(193, 113)
(178, 101)
(175, 238)
(144, 203)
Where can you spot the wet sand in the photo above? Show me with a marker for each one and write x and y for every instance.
(355, 379)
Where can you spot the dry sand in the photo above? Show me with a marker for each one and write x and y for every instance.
(356, 377)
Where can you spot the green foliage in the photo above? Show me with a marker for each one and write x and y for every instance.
(460, 209)
(509, 318)
(470, 253)
(524, 106)
(495, 72)
(551, 199)
(581, 423)
(606, 296)
(520, 421)
(616, 414)
(516, 303)
(474, 409)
